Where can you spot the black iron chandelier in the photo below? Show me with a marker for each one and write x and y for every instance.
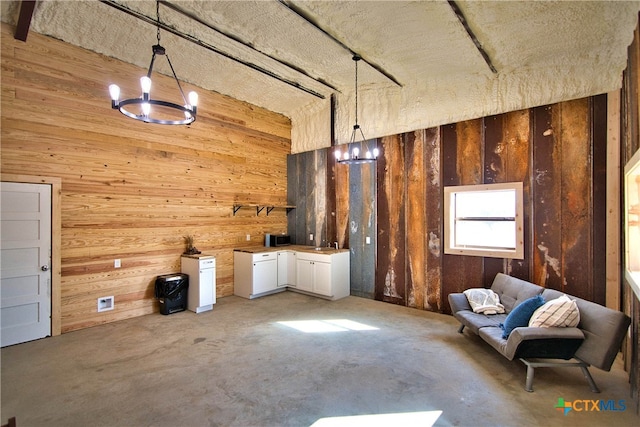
(164, 112)
(353, 156)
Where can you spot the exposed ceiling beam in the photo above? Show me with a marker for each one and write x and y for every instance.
(24, 20)
(472, 36)
(304, 15)
(210, 47)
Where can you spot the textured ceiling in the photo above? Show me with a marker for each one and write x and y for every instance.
(421, 67)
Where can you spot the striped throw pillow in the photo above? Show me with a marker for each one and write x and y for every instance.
(559, 312)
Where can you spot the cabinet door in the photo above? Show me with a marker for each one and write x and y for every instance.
(304, 275)
(283, 269)
(207, 286)
(291, 268)
(265, 276)
(322, 279)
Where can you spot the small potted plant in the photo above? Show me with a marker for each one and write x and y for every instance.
(191, 250)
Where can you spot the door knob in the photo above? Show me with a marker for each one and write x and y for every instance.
(44, 268)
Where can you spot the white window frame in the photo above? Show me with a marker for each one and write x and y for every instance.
(450, 221)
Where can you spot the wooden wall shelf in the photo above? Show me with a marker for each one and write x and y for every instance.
(260, 208)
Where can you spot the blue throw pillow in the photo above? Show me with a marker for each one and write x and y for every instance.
(520, 315)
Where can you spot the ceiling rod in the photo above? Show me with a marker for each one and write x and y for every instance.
(471, 35)
(212, 48)
(237, 39)
(307, 17)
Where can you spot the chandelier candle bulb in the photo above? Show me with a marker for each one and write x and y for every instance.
(114, 91)
(356, 152)
(145, 83)
(193, 100)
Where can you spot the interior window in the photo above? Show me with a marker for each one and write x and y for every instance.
(484, 220)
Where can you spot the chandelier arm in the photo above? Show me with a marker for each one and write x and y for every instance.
(363, 138)
(153, 59)
(177, 81)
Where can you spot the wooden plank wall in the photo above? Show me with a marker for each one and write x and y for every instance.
(131, 190)
(629, 144)
(551, 149)
(557, 151)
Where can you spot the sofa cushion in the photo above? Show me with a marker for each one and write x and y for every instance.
(513, 291)
(520, 315)
(559, 312)
(475, 321)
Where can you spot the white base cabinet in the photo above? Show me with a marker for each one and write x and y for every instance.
(264, 273)
(325, 275)
(201, 269)
(255, 274)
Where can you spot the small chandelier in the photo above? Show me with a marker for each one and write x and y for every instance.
(354, 156)
(169, 113)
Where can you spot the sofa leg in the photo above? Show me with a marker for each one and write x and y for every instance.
(592, 383)
(460, 329)
(532, 364)
(529, 383)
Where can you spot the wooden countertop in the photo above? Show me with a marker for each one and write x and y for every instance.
(297, 248)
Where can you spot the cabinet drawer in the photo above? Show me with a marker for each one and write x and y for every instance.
(264, 256)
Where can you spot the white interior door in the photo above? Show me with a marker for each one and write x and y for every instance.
(25, 262)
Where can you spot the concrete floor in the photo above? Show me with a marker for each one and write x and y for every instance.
(237, 366)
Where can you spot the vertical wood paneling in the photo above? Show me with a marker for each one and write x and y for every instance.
(130, 190)
(416, 228)
(546, 200)
(469, 145)
(462, 272)
(573, 122)
(320, 188)
(332, 233)
(598, 131)
(342, 205)
(433, 221)
(496, 161)
(452, 277)
(517, 152)
(390, 274)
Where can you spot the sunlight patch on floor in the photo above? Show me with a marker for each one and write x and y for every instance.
(407, 419)
(332, 325)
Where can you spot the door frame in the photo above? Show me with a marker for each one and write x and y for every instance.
(56, 229)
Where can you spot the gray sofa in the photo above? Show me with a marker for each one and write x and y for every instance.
(595, 341)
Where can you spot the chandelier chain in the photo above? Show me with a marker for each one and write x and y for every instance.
(356, 61)
(158, 21)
